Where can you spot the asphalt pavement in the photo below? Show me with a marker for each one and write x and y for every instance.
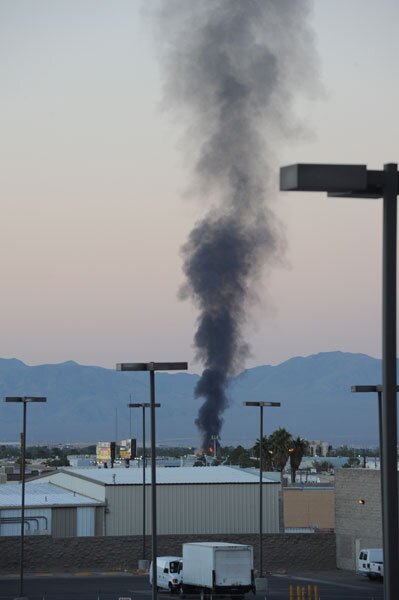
(114, 586)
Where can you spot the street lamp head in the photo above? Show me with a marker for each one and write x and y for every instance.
(337, 180)
(142, 405)
(366, 388)
(24, 399)
(323, 178)
(132, 367)
(261, 404)
(153, 366)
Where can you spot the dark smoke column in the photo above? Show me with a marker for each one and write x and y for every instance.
(231, 67)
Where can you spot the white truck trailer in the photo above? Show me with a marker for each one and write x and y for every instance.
(217, 568)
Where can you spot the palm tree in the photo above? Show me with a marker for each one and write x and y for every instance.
(266, 454)
(280, 442)
(298, 448)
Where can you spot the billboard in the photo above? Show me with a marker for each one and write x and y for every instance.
(127, 449)
(103, 451)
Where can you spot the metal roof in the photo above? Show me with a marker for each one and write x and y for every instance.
(40, 494)
(173, 475)
(267, 475)
(218, 545)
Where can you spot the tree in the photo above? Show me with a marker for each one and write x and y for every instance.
(57, 462)
(245, 461)
(351, 463)
(236, 453)
(280, 442)
(297, 450)
(266, 454)
(323, 465)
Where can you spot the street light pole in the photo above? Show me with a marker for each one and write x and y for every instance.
(152, 367)
(378, 389)
(23, 400)
(23, 451)
(144, 465)
(143, 406)
(153, 478)
(356, 181)
(261, 406)
(389, 442)
(261, 493)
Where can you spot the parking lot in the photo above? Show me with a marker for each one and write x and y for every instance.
(112, 586)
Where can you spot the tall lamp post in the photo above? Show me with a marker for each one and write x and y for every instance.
(261, 406)
(152, 367)
(24, 401)
(356, 181)
(362, 389)
(143, 406)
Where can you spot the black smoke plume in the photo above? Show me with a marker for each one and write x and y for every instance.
(232, 68)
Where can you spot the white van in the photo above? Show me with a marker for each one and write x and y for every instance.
(367, 556)
(169, 573)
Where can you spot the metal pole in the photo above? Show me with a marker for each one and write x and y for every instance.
(380, 446)
(153, 486)
(260, 495)
(130, 418)
(23, 450)
(389, 473)
(143, 482)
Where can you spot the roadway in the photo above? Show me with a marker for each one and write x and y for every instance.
(112, 586)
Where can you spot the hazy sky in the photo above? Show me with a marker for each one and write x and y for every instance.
(93, 175)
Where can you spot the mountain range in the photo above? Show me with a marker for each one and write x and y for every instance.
(89, 403)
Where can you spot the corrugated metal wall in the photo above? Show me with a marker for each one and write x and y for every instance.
(42, 524)
(85, 522)
(64, 522)
(207, 508)
(99, 521)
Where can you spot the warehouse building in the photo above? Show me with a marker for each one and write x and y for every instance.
(190, 500)
(49, 510)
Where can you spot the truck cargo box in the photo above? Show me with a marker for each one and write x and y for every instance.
(218, 566)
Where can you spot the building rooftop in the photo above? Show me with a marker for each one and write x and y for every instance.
(175, 475)
(40, 494)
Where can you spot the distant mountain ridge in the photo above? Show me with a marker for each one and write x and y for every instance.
(82, 401)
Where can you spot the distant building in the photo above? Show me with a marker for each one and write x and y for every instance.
(79, 460)
(11, 471)
(318, 448)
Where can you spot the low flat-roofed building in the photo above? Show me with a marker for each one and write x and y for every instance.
(49, 509)
(190, 500)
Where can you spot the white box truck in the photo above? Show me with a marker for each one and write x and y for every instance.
(217, 568)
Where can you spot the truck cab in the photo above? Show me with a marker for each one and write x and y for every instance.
(169, 573)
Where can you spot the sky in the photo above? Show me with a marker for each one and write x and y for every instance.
(94, 175)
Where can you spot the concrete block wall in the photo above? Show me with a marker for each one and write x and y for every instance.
(357, 525)
(45, 553)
